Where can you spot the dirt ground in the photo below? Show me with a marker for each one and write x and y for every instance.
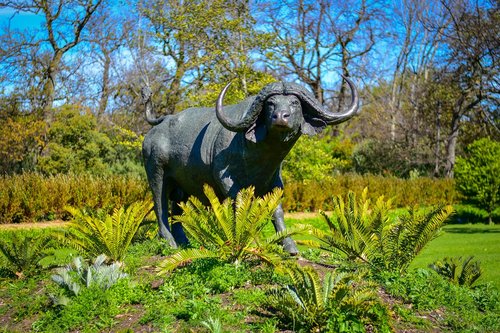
(61, 223)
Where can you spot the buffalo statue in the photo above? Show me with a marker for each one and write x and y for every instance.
(230, 148)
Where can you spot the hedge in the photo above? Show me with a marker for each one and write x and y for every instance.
(31, 197)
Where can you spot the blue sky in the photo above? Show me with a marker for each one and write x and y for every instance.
(21, 20)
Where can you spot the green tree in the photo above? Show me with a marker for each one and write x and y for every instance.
(75, 144)
(477, 174)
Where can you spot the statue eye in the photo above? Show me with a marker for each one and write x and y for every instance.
(295, 102)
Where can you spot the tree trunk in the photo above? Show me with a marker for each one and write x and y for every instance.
(103, 102)
(452, 144)
(437, 155)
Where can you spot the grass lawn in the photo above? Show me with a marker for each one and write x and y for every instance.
(479, 240)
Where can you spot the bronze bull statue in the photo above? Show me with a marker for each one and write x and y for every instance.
(230, 148)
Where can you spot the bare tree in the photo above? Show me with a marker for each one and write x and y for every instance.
(43, 50)
(315, 38)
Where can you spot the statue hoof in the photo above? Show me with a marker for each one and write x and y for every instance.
(290, 246)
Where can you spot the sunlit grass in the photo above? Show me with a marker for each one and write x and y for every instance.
(479, 240)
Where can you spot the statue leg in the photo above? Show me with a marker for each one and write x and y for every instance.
(177, 230)
(158, 186)
(279, 225)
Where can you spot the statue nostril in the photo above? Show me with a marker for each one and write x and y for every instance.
(285, 115)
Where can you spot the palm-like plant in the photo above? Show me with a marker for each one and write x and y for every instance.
(310, 303)
(110, 235)
(461, 271)
(407, 236)
(231, 230)
(355, 228)
(361, 232)
(23, 252)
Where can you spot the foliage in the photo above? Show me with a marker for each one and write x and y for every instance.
(461, 271)
(77, 145)
(93, 310)
(79, 275)
(342, 303)
(109, 234)
(33, 197)
(316, 159)
(21, 143)
(230, 231)
(423, 191)
(477, 174)
(461, 309)
(24, 251)
(358, 231)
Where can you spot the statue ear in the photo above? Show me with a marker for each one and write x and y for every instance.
(256, 133)
(312, 126)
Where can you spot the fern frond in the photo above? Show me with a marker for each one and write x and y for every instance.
(183, 257)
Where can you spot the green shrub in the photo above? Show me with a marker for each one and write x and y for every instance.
(477, 174)
(24, 251)
(93, 310)
(317, 159)
(33, 197)
(461, 309)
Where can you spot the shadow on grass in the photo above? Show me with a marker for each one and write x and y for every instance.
(471, 230)
(465, 214)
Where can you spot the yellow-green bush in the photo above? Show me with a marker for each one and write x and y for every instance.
(34, 197)
(311, 196)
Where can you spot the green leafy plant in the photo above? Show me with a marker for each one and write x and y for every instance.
(213, 325)
(24, 251)
(80, 274)
(367, 234)
(477, 174)
(311, 304)
(230, 231)
(110, 235)
(461, 271)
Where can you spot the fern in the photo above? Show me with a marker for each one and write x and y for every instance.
(406, 238)
(364, 233)
(24, 252)
(110, 235)
(461, 271)
(355, 228)
(230, 230)
(310, 304)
